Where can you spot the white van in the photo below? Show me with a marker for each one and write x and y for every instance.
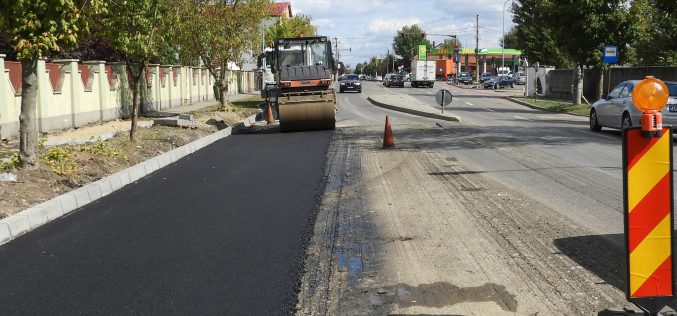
(503, 71)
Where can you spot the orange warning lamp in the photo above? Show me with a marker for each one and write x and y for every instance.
(650, 96)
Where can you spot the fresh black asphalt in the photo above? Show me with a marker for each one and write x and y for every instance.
(220, 232)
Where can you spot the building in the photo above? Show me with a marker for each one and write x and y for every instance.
(278, 10)
(490, 59)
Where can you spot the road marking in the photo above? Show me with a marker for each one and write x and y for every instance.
(468, 103)
(596, 134)
(521, 118)
(490, 110)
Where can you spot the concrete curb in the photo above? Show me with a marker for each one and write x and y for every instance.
(531, 106)
(450, 118)
(23, 222)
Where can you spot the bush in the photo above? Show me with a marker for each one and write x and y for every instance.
(10, 163)
(59, 160)
(101, 148)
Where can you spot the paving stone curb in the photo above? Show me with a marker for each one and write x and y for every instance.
(450, 118)
(29, 219)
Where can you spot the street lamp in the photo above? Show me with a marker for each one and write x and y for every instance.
(503, 39)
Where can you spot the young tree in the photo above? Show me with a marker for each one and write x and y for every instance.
(583, 28)
(36, 28)
(535, 36)
(219, 33)
(451, 43)
(406, 42)
(137, 29)
(511, 40)
(299, 25)
(653, 40)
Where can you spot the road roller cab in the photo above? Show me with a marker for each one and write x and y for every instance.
(301, 92)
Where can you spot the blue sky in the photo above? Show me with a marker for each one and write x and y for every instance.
(368, 26)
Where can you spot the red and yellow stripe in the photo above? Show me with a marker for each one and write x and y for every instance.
(649, 207)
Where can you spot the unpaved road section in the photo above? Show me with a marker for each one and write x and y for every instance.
(414, 230)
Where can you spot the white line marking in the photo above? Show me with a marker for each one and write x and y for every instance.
(468, 103)
(596, 134)
(490, 110)
(521, 118)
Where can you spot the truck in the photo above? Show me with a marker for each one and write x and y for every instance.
(423, 73)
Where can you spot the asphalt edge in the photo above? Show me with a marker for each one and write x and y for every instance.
(531, 106)
(29, 219)
(451, 118)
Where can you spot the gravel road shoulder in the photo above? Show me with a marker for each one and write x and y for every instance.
(413, 231)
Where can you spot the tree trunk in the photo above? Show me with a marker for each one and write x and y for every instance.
(224, 94)
(578, 85)
(136, 80)
(28, 125)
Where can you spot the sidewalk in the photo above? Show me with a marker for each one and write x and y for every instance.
(106, 130)
(196, 106)
(407, 104)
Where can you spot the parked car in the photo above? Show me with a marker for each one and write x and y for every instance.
(386, 77)
(500, 82)
(485, 76)
(465, 78)
(520, 77)
(396, 81)
(350, 82)
(618, 111)
(378, 78)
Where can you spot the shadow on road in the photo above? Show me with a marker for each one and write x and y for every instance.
(603, 255)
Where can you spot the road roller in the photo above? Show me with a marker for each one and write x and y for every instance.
(298, 83)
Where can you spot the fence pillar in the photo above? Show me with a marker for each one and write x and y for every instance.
(169, 78)
(4, 110)
(70, 66)
(155, 87)
(99, 70)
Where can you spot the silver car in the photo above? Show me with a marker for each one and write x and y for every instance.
(617, 110)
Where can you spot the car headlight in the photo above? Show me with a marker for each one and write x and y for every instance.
(358, 83)
(343, 83)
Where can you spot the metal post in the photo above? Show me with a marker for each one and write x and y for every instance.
(443, 95)
(503, 39)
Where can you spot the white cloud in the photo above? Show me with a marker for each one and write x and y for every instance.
(368, 26)
(324, 23)
(390, 25)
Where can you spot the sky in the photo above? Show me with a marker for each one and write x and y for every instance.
(367, 27)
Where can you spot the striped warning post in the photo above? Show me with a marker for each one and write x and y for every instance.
(647, 166)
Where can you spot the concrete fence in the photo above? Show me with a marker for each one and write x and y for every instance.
(72, 94)
(558, 83)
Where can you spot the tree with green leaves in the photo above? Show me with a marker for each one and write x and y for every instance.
(510, 40)
(36, 28)
(535, 36)
(653, 40)
(296, 26)
(219, 33)
(451, 43)
(406, 42)
(582, 29)
(137, 29)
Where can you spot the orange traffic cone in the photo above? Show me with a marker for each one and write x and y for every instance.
(269, 118)
(388, 139)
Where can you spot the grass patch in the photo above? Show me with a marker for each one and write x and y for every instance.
(248, 103)
(557, 106)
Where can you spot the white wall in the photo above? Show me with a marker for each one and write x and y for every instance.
(71, 102)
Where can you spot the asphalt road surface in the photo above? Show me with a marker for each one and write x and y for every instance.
(221, 232)
(513, 210)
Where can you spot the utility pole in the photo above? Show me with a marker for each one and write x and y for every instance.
(477, 49)
(337, 57)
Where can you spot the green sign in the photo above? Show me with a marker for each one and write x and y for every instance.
(422, 52)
